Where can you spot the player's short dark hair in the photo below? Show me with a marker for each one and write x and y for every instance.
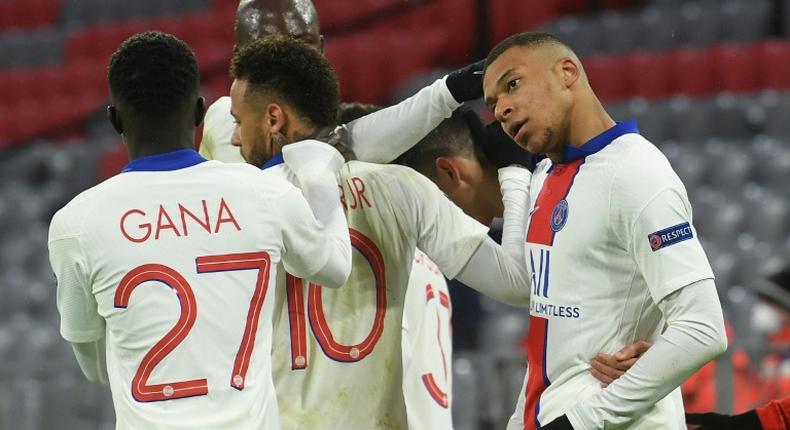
(351, 111)
(154, 75)
(292, 72)
(452, 137)
(526, 39)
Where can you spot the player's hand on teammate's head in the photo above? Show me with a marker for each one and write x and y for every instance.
(713, 421)
(337, 140)
(497, 147)
(606, 368)
(466, 83)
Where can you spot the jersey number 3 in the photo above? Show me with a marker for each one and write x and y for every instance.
(142, 391)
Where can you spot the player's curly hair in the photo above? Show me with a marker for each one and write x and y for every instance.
(290, 71)
(154, 74)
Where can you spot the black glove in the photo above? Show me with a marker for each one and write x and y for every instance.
(714, 421)
(560, 423)
(498, 148)
(466, 83)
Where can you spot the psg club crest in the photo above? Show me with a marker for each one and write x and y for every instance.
(559, 216)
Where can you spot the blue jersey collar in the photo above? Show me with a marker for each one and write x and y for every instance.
(597, 143)
(172, 160)
(277, 159)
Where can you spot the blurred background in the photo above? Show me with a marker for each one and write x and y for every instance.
(707, 80)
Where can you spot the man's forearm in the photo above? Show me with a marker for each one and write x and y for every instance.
(694, 336)
(382, 136)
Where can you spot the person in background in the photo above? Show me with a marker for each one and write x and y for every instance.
(771, 319)
(773, 416)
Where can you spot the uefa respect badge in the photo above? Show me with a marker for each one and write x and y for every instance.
(670, 236)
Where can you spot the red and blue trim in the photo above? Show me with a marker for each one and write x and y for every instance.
(537, 378)
(173, 160)
(599, 142)
(542, 227)
(274, 161)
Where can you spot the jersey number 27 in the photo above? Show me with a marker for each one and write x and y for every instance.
(142, 391)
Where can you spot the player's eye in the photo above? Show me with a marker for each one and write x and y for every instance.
(513, 83)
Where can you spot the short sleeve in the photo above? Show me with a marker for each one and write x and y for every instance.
(206, 146)
(80, 320)
(306, 250)
(665, 245)
(441, 229)
(218, 128)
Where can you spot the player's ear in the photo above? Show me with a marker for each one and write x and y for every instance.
(200, 110)
(115, 120)
(275, 118)
(570, 71)
(447, 172)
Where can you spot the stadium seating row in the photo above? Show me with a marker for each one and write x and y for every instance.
(667, 24)
(28, 14)
(696, 72)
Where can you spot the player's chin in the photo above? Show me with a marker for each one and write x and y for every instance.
(534, 145)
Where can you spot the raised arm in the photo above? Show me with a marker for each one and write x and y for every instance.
(384, 135)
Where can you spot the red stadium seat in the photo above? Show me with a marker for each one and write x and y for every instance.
(371, 80)
(649, 75)
(414, 52)
(338, 51)
(773, 63)
(45, 84)
(607, 76)
(508, 17)
(735, 68)
(112, 161)
(573, 6)
(459, 31)
(28, 14)
(693, 72)
(15, 82)
(87, 80)
(363, 67)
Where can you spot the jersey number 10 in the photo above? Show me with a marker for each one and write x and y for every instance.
(323, 334)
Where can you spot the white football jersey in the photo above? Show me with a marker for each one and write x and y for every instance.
(174, 261)
(337, 353)
(218, 129)
(427, 346)
(609, 236)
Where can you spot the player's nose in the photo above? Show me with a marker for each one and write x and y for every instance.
(503, 111)
(235, 139)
